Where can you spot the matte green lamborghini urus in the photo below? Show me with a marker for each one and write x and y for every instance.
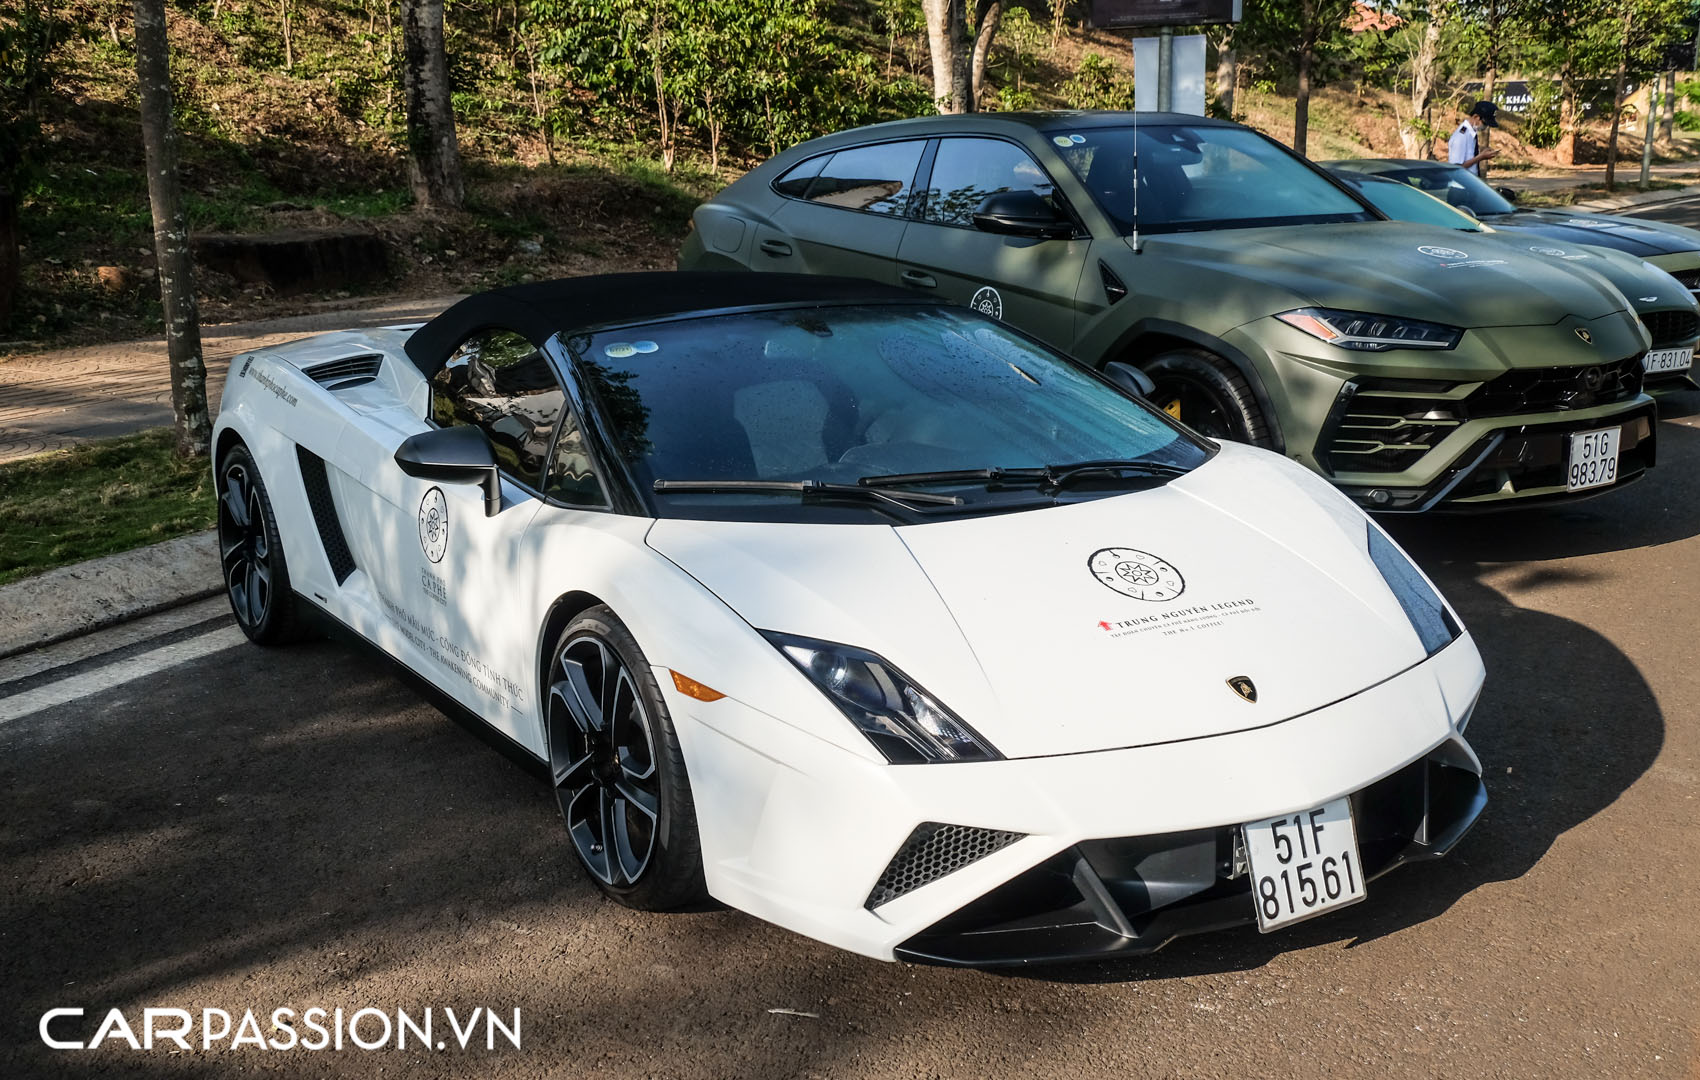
(1264, 300)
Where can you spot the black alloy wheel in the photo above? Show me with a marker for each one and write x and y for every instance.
(1208, 395)
(256, 578)
(617, 770)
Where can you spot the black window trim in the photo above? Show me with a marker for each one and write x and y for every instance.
(552, 355)
(901, 215)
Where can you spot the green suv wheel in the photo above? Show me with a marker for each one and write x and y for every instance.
(1205, 393)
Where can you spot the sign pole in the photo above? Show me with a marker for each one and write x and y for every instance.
(1165, 68)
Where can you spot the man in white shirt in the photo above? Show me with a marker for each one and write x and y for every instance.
(1461, 148)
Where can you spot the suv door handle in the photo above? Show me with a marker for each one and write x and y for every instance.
(777, 248)
(918, 279)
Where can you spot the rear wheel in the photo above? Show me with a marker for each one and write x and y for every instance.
(1209, 395)
(256, 578)
(618, 772)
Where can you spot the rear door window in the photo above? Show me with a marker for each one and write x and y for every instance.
(874, 179)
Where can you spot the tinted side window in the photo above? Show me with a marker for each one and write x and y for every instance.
(876, 179)
(572, 478)
(795, 182)
(965, 171)
(500, 382)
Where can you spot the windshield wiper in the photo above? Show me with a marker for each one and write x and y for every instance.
(1048, 477)
(805, 487)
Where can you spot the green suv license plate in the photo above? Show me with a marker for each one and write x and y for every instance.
(1660, 361)
(1303, 864)
(1593, 458)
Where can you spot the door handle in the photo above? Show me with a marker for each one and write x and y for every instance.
(918, 279)
(777, 248)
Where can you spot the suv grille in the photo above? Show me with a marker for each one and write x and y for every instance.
(932, 851)
(1671, 327)
(1690, 279)
(1386, 425)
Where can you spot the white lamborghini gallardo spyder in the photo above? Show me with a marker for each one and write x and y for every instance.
(868, 616)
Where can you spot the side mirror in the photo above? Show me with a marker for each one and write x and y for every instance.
(1022, 213)
(454, 455)
(1508, 194)
(1130, 378)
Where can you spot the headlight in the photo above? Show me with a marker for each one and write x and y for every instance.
(1435, 626)
(902, 720)
(1370, 333)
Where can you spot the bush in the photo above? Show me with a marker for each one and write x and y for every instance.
(1540, 123)
(1098, 85)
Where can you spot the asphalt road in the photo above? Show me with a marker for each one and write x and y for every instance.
(247, 829)
(1677, 212)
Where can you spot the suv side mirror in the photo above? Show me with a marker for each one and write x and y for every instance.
(454, 455)
(1022, 213)
(1508, 194)
(1129, 378)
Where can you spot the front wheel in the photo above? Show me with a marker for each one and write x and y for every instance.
(1209, 395)
(617, 769)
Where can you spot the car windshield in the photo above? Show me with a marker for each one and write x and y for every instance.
(1180, 178)
(1402, 202)
(1456, 186)
(846, 395)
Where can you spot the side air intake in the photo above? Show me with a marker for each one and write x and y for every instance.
(349, 371)
(318, 486)
(932, 851)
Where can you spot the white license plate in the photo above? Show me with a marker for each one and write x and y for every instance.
(1662, 360)
(1303, 864)
(1593, 459)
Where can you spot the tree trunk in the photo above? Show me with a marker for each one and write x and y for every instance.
(433, 155)
(1227, 74)
(1667, 108)
(1617, 100)
(1414, 134)
(1491, 61)
(288, 44)
(1301, 102)
(1565, 150)
(987, 15)
(945, 31)
(171, 234)
(10, 261)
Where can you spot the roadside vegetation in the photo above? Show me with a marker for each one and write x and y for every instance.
(113, 495)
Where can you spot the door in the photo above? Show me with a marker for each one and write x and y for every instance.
(847, 217)
(1030, 284)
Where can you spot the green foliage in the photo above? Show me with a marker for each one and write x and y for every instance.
(1021, 39)
(751, 73)
(1541, 128)
(1097, 84)
(31, 36)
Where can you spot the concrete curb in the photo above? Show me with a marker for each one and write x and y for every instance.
(1620, 202)
(103, 592)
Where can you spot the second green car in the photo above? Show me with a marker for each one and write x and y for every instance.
(1263, 300)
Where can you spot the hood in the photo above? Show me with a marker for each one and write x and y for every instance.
(1396, 268)
(1633, 235)
(1098, 625)
(1645, 286)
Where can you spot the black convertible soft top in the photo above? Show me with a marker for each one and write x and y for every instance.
(546, 308)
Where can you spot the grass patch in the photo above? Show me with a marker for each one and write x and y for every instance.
(107, 496)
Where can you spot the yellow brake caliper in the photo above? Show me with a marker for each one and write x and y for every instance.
(1173, 408)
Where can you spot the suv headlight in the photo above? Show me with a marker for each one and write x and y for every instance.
(1370, 333)
(903, 721)
(1435, 626)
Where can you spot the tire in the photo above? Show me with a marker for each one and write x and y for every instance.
(617, 770)
(1209, 395)
(256, 577)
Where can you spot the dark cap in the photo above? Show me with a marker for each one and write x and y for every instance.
(1485, 110)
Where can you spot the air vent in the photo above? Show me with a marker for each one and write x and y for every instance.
(1113, 288)
(347, 372)
(932, 851)
(318, 485)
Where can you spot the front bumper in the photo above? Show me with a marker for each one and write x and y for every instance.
(1133, 895)
(819, 841)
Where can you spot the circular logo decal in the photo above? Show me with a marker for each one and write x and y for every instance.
(1443, 252)
(619, 350)
(987, 302)
(434, 524)
(1555, 252)
(1138, 574)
